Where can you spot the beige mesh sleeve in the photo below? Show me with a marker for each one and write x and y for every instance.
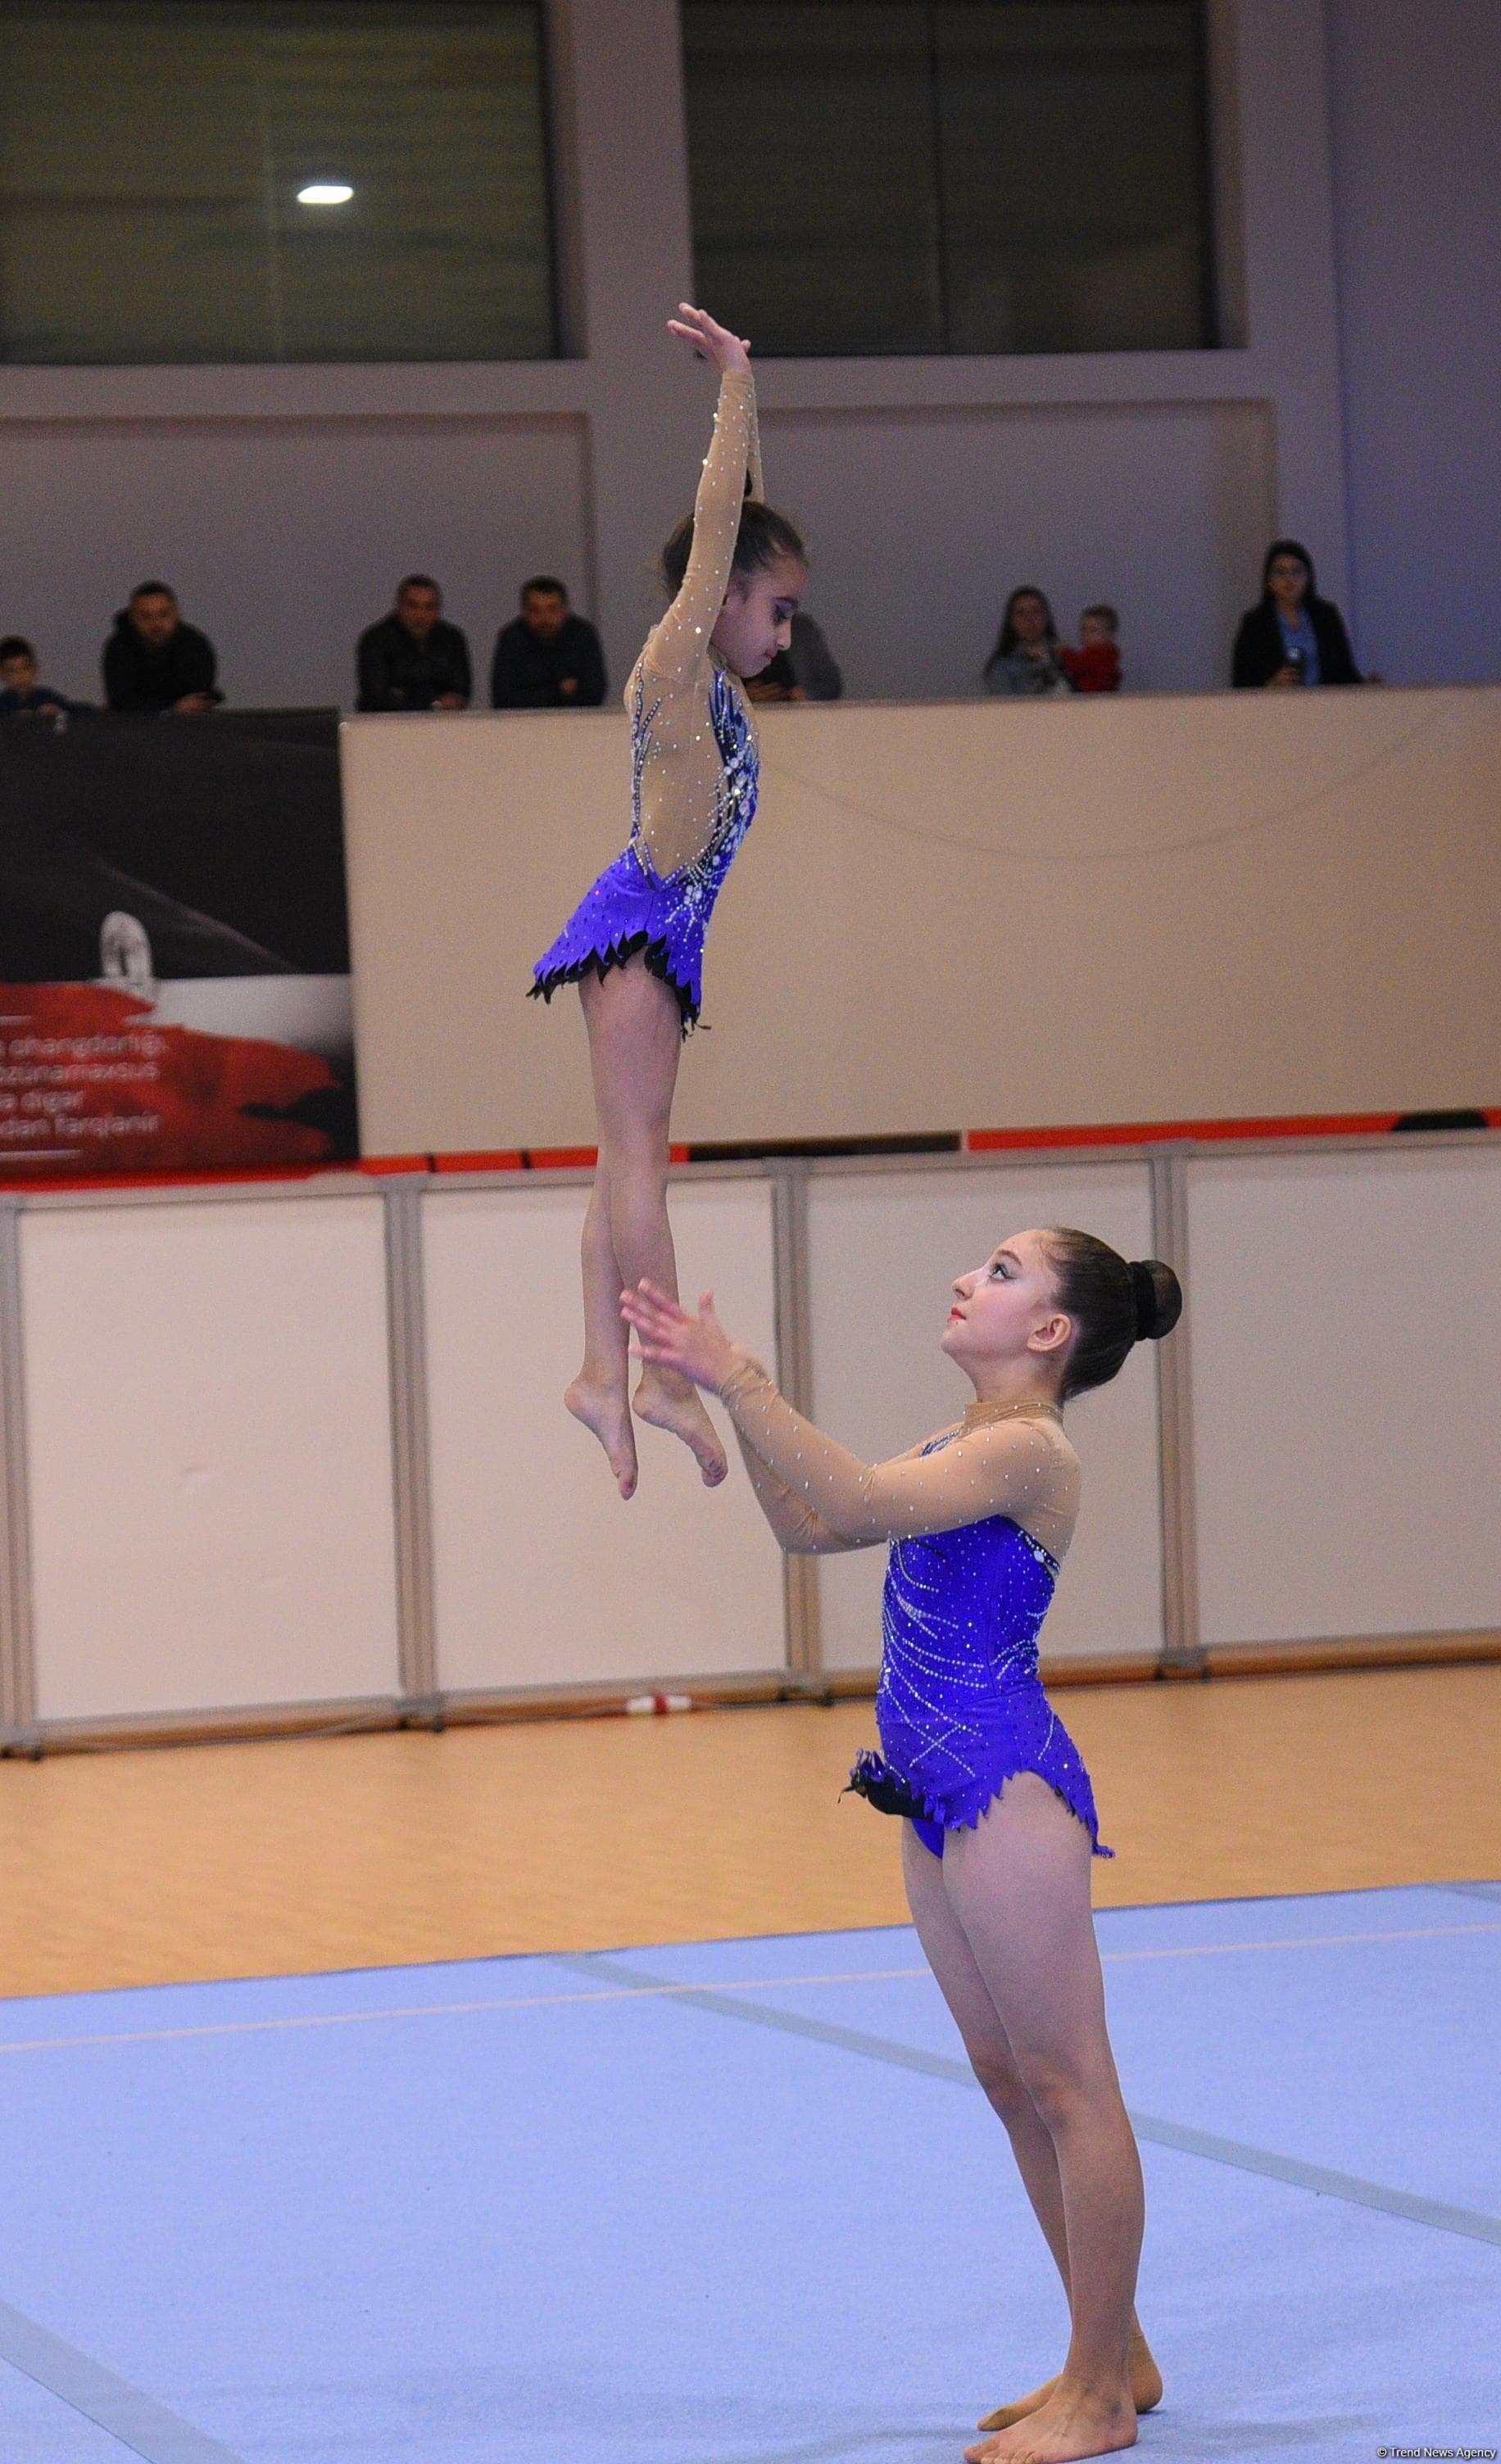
(799, 1526)
(679, 643)
(680, 762)
(1022, 1469)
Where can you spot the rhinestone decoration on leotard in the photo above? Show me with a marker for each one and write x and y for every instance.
(960, 1709)
(693, 756)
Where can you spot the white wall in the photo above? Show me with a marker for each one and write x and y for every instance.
(208, 1422)
(538, 1566)
(284, 502)
(206, 1447)
(956, 507)
(1417, 150)
(1346, 1315)
(283, 537)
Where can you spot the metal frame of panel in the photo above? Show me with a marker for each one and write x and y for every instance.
(422, 1696)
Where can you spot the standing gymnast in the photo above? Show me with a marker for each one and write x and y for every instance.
(1001, 1818)
(635, 945)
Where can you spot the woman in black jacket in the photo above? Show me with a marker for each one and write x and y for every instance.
(1292, 636)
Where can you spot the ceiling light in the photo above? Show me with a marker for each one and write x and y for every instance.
(325, 193)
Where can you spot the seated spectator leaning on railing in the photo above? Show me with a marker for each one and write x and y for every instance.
(155, 662)
(1026, 658)
(805, 671)
(19, 691)
(413, 659)
(1292, 636)
(547, 658)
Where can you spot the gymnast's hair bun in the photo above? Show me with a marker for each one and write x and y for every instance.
(1159, 1298)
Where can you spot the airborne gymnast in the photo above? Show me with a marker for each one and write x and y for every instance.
(1000, 1822)
(734, 572)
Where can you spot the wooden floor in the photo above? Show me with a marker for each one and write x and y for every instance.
(197, 1862)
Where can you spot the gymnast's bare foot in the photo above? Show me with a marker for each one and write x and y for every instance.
(1075, 2421)
(1146, 2387)
(670, 1402)
(605, 1410)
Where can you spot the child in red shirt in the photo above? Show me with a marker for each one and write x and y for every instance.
(1096, 666)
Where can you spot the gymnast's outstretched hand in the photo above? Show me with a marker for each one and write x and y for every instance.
(711, 342)
(671, 1337)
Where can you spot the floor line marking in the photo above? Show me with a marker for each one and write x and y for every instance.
(646, 1993)
(127, 2413)
(1470, 2222)
(471, 2010)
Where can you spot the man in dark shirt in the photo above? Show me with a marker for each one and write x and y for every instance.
(412, 659)
(155, 662)
(547, 658)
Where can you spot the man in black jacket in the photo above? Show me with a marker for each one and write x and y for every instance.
(155, 662)
(412, 659)
(547, 658)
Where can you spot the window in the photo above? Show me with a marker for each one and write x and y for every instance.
(161, 163)
(975, 175)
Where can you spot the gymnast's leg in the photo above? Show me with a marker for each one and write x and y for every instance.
(948, 1955)
(1019, 1885)
(635, 1038)
(599, 1396)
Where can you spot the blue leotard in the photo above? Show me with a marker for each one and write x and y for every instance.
(631, 906)
(960, 1709)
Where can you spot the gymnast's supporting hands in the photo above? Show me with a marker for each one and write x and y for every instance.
(669, 1336)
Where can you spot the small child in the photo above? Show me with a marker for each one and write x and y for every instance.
(19, 689)
(1096, 666)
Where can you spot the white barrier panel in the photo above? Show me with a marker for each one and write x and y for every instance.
(209, 1460)
(543, 1577)
(1346, 1368)
(883, 1249)
(1110, 908)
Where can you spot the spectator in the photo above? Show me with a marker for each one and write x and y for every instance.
(806, 672)
(153, 661)
(1026, 656)
(1292, 636)
(1094, 666)
(547, 658)
(412, 659)
(19, 689)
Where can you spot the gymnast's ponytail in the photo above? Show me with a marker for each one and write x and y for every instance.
(1113, 1305)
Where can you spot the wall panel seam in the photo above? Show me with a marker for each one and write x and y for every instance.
(1183, 1642)
(17, 1626)
(410, 1446)
(795, 1376)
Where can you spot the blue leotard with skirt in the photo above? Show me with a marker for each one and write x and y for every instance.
(960, 1709)
(631, 908)
(693, 758)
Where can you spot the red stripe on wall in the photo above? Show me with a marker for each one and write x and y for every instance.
(1137, 1133)
(501, 1159)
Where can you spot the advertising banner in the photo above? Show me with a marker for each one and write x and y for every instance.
(174, 945)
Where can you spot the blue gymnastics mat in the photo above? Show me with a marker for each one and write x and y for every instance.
(739, 2203)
